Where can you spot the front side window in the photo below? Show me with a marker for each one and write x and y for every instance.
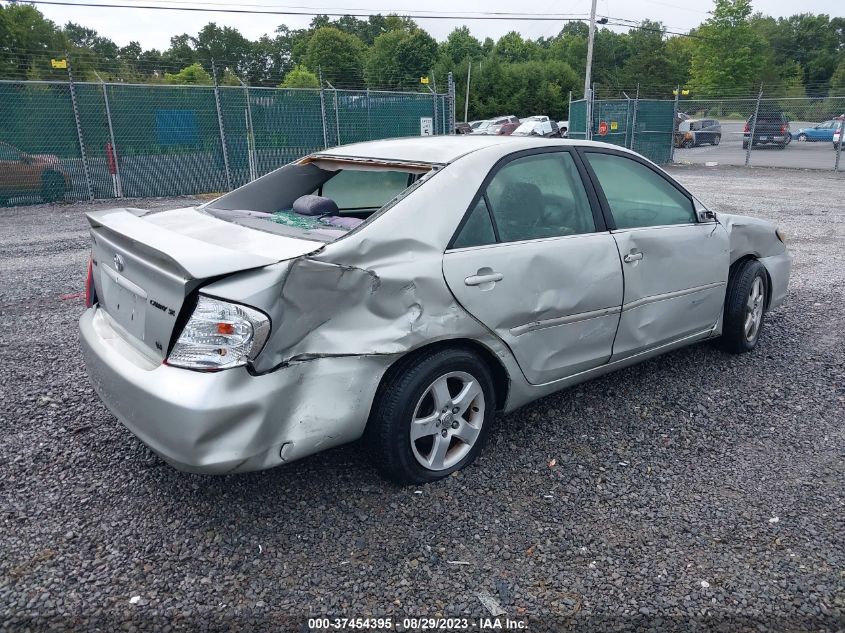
(637, 195)
(538, 196)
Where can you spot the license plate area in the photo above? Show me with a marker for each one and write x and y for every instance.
(764, 138)
(124, 301)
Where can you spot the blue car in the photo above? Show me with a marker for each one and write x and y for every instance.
(821, 132)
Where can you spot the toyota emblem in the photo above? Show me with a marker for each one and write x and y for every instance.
(118, 263)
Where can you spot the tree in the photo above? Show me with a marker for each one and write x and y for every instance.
(399, 58)
(225, 46)
(337, 55)
(729, 54)
(837, 81)
(648, 63)
(512, 48)
(459, 46)
(679, 52)
(194, 74)
(27, 43)
(181, 52)
(300, 77)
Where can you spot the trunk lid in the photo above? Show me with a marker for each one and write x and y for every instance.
(146, 265)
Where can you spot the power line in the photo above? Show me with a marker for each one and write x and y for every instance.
(520, 17)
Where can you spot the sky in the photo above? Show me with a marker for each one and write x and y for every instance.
(153, 29)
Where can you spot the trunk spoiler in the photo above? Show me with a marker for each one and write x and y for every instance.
(195, 244)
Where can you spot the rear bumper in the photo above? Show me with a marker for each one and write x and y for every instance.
(229, 421)
(766, 139)
(779, 268)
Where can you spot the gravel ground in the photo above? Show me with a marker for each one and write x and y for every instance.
(697, 490)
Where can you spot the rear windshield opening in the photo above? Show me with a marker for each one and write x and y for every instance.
(321, 199)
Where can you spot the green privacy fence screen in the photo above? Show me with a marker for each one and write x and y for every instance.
(643, 125)
(132, 140)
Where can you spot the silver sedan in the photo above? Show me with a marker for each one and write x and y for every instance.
(406, 290)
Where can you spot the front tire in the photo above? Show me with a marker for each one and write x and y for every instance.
(745, 307)
(801, 137)
(431, 416)
(717, 139)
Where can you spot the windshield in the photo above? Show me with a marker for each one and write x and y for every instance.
(484, 125)
(321, 199)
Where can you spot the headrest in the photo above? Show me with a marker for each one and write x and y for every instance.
(315, 205)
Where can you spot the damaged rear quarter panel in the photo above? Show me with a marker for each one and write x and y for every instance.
(378, 291)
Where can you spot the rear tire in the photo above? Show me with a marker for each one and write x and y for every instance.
(801, 137)
(717, 139)
(52, 186)
(431, 416)
(745, 307)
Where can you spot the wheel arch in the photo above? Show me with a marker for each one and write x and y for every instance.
(501, 381)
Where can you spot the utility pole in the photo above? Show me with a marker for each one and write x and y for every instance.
(466, 101)
(588, 96)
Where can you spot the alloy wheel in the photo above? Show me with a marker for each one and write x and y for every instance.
(754, 309)
(447, 420)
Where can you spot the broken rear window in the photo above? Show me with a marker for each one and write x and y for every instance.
(318, 198)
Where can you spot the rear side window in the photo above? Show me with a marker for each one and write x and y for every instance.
(538, 196)
(532, 197)
(638, 196)
(478, 229)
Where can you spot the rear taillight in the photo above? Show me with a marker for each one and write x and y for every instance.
(783, 129)
(747, 129)
(90, 293)
(220, 335)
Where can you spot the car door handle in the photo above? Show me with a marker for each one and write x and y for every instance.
(632, 257)
(477, 280)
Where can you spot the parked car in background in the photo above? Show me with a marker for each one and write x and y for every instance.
(462, 128)
(534, 127)
(771, 128)
(564, 128)
(404, 291)
(693, 132)
(474, 124)
(820, 132)
(24, 174)
(502, 125)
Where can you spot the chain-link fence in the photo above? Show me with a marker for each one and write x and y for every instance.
(761, 131)
(643, 125)
(77, 141)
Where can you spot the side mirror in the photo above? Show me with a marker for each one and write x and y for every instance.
(703, 213)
